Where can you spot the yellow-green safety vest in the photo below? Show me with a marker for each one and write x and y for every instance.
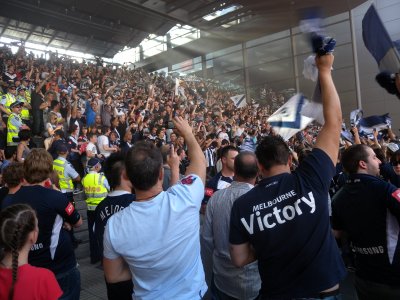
(24, 110)
(95, 190)
(9, 99)
(12, 131)
(59, 167)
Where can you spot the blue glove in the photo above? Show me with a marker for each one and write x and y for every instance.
(322, 44)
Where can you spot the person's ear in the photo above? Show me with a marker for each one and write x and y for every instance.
(362, 164)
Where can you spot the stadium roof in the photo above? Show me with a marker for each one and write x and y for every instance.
(104, 27)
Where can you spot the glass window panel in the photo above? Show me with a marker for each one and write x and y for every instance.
(343, 58)
(336, 18)
(224, 51)
(301, 44)
(306, 87)
(268, 38)
(228, 63)
(344, 79)
(269, 52)
(271, 72)
(340, 31)
(232, 80)
(273, 94)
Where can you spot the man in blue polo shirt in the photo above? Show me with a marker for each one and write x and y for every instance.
(367, 209)
(284, 221)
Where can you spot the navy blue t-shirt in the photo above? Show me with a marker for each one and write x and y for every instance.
(286, 219)
(389, 175)
(53, 250)
(212, 186)
(109, 206)
(368, 210)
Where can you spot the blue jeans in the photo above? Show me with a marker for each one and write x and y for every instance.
(70, 283)
(217, 294)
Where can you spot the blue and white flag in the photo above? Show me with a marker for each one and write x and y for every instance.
(355, 117)
(379, 43)
(239, 100)
(378, 122)
(346, 135)
(288, 119)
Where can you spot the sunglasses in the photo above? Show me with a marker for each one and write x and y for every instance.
(395, 163)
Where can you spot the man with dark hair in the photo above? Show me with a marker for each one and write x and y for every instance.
(119, 197)
(156, 238)
(367, 209)
(284, 221)
(222, 179)
(10, 155)
(229, 281)
(53, 249)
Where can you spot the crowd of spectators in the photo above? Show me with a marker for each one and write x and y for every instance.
(88, 116)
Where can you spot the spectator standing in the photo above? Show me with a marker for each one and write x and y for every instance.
(222, 179)
(228, 281)
(53, 249)
(103, 142)
(285, 204)
(119, 197)
(367, 210)
(168, 265)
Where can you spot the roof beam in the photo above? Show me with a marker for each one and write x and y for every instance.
(206, 9)
(30, 33)
(5, 27)
(55, 14)
(52, 37)
(171, 5)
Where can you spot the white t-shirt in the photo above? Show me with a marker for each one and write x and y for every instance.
(159, 239)
(102, 141)
(91, 147)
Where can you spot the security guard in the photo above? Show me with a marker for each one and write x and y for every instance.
(22, 97)
(66, 176)
(6, 101)
(96, 189)
(14, 124)
(66, 173)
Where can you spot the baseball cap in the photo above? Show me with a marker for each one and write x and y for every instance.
(93, 162)
(15, 103)
(62, 148)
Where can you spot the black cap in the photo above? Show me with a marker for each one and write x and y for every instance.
(15, 103)
(62, 148)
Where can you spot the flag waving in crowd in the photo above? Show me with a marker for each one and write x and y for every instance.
(288, 119)
(383, 49)
(239, 100)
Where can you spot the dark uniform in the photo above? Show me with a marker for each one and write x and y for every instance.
(368, 210)
(286, 219)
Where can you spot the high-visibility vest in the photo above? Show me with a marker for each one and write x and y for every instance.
(9, 99)
(28, 96)
(95, 190)
(12, 131)
(24, 110)
(65, 182)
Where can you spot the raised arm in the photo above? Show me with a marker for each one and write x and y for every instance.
(328, 138)
(197, 160)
